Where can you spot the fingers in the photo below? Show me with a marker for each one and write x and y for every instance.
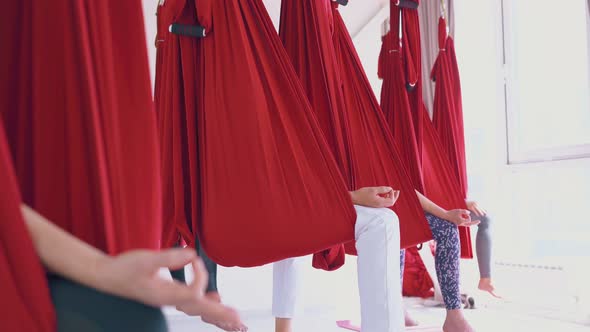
(465, 215)
(174, 293)
(483, 212)
(383, 202)
(478, 212)
(383, 190)
(172, 258)
(469, 223)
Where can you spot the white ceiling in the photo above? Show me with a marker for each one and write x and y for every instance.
(356, 14)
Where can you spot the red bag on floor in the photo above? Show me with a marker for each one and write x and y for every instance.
(417, 281)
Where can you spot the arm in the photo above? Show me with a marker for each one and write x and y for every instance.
(132, 275)
(458, 217)
(430, 207)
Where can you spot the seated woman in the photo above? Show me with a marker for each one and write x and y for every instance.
(443, 224)
(95, 292)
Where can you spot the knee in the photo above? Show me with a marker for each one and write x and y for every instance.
(443, 230)
(484, 222)
(388, 217)
(387, 220)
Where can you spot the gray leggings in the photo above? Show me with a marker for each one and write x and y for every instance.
(483, 246)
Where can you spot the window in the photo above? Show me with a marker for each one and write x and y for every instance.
(547, 63)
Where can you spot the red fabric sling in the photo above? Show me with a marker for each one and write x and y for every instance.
(413, 65)
(25, 304)
(176, 102)
(382, 163)
(440, 184)
(395, 103)
(396, 107)
(75, 99)
(448, 110)
(324, 58)
(263, 184)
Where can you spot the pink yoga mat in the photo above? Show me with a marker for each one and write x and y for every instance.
(346, 324)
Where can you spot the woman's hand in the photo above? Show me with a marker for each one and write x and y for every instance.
(134, 275)
(460, 217)
(474, 207)
(375, 197)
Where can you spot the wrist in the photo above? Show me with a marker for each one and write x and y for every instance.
(102, 276)
(353, 197)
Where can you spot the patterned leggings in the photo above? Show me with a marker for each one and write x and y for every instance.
(446, 259)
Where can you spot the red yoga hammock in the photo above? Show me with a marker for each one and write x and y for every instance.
(338, 89)
(395, 103)
(263, 183)
(176, 103)
(448, 110)
(440, 183)
(75, 99)
(382, 163)
(25, 304)
(413, 65)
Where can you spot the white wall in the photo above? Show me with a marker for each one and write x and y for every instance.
(149, 14)
(538, 208)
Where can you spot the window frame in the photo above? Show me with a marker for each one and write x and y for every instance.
(515, 153)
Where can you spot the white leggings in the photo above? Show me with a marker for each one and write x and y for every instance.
(377, 243)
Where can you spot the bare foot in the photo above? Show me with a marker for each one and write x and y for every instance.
(485, 284)
(216, 314)
(457, 324)
(409, 321)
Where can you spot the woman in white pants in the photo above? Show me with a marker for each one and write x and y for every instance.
(377, 243)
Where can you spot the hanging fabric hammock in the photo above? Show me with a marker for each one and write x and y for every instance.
(176, 103)
(79, 119)
(315, 64)
(25, 304)
(396, 107)
(413, 65)
(338, 90)
(439, 182)
(394, 100)
(263, 183)
(365, 113)
(382, 163)
(448, 110)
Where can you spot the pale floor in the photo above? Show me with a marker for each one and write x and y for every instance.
(491, 319)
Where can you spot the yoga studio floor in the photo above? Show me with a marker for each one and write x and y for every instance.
(484, 320)
(326, 302)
